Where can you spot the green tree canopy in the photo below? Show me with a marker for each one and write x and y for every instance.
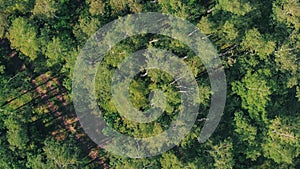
(238, 7)
(254, 92)
(45, 8)
(282, 144)
(23, 36)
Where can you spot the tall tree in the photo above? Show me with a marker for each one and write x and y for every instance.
(256, 43)
(287, 12)
(254, 92)
(282, 142)
(45, 8)
(23, 36)
(3, 25)
(62, 154)
(246, 134)
(96, 7)
(223, 155)
(17, 133)
(238, 7)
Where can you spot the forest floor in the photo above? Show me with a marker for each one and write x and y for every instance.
(55, 101)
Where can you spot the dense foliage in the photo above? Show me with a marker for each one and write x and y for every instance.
(259, 45)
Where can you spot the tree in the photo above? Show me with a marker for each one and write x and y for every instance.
(35, 162)
(96, 7)
(135, 6)
(230, 31)
(282, 142)
(247, 136)
(22, 36)
(62, 154)
(287, 63)
(118, 5)
(256, 43)
(8, 159)
(170, 161)
(298, 93)
(16, 6)
(223, 155)
(238, 7)
(45, 8)
(56, 52)
(254, 92)
(287, 12)
(17, 133)
(3, 25)
(206, 26)
(174, 7)
(2, 68)
(68, 67)
(86, 27)
(57, 154)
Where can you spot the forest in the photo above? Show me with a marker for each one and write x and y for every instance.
(257, 41)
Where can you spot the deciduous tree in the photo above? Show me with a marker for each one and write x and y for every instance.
(23, 36)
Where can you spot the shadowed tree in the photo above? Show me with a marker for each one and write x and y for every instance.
(16, 134)
(3, 25)
(246, 134)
